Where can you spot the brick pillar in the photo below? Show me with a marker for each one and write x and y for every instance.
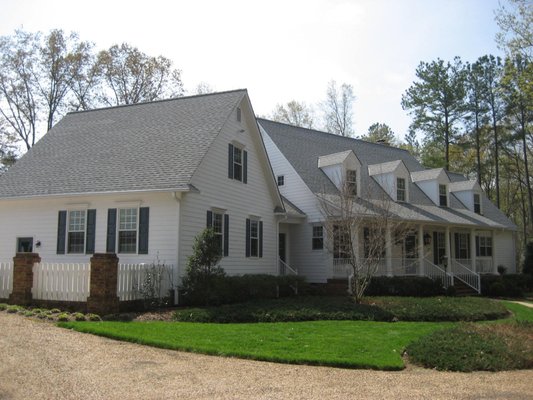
(23, 278)
(103, 297)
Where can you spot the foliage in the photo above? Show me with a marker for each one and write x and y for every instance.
(404, 286)
(203, 270)
(294, 113)
(338, 109)
(3, 306)
(63, 317)
(508, 285)
(470, 347)
(381, 133)
(440, 308)
(151, 286)
(78, 316)
(527, 268)
(307, 308)
(236, 289)
(93, 317)
(13, 309)
(349, 344)
(516, 27)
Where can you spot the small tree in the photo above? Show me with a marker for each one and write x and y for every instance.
(202, 267)
(348, 219)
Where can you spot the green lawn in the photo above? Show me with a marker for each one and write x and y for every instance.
(351, 344)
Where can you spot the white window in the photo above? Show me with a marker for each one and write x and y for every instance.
(254, 238)
(218, 228)
(341, 243)
(127, 230)
(443, 196)
(318, 237)
(477, 203)
(400, 189)
(76, 231)
(237, 163)
(351, 182)
(281, 180)
(484, 246)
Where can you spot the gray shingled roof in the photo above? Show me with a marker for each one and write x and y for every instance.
(141, 147)
(383, 168)
(302, 148)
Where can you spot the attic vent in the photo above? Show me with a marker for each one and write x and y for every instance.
(239, 114)
(383, 142)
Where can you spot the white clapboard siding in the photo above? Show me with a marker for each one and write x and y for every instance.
(61, 282)
(6, 279)
(131, 278)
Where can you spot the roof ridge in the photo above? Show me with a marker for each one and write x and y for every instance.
(333, 134)
(158, 101)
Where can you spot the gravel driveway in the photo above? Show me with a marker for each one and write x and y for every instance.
(41, 361)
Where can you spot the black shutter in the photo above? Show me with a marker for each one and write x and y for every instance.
(244, 166)
(91, 230)
(260, 238)
(209, 222)
(61, 232)
(144, 219)
(226, 235)
(230, 161)
(456, 239)
(247, 237)
(111, 229)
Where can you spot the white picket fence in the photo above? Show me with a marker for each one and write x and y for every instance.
(137, 281)
(6, 279)
(61, 282)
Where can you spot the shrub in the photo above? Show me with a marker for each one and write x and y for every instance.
(14, 309)
(502, 269)
(29, 313)
(404, 286)
(63, 317)
(55, 311)
(470, 347)
(78, 316)
(93, 317)
(527, 268)
(508, 285)
(3, 306)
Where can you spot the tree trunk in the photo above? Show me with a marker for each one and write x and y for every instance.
(478, 151)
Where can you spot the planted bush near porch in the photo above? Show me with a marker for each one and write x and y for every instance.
(415, 286)
(515, 285)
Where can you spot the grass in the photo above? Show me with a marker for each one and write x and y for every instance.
(349, 344)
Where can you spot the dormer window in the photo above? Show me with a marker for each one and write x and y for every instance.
(443, 196)
(351, 182)
(477, 203)
(400, 189)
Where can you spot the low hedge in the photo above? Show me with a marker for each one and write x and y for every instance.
(238, 289)
(512, 285)
(412, 286)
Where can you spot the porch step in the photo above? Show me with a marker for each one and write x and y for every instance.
(462, 289)
(336, 287)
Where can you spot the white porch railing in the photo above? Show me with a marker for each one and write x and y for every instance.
(61, 282)
(6, 279)
(139, 281)
(483, 265)
(405, 266)
(437, 273)
(465, 275)
(286, 269)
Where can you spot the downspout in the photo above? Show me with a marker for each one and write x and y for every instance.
(176, 272)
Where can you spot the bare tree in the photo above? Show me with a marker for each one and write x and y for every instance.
(294, 113)
(338, 109)
(204, 88)
(358, 231)
(131, 76)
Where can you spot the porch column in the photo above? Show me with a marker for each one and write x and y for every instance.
(23, 278)
(421, 250)
(388, 250)
(473, 249)
(103, 297)
(447, 249)
(494, 266)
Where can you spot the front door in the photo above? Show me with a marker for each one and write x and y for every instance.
(410, 251)
(282, 247)
(439, 247)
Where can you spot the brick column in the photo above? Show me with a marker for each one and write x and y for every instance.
(103, 297)
(23, 278)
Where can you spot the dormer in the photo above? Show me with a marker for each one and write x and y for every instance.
(469, 193)
(435, 184)
(342, 168)
(393, 177)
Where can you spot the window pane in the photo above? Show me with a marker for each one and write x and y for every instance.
(76, 242)
(127, 242)
(318, 240)
(76, 221)
(128, 219)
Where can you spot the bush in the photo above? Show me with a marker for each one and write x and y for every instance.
(3, 306)
(508, 285)
(237, 289)
(78, 316)
(14, 309)
(93, 317)
(527, 268)
(470, 347)
(414, 286)
(63, 317)
(55, 311)
(29, 313)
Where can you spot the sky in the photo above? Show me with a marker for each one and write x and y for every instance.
(282, 50)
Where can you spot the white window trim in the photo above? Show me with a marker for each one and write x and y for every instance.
(24, 237)
(241, 149)
(447, 194)
(84, 231)
(221, 212)
(127, 230)
(256, 220)
(405, 189)
(313, 237)
(480, 203)
(282, 180)
(350, 182)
